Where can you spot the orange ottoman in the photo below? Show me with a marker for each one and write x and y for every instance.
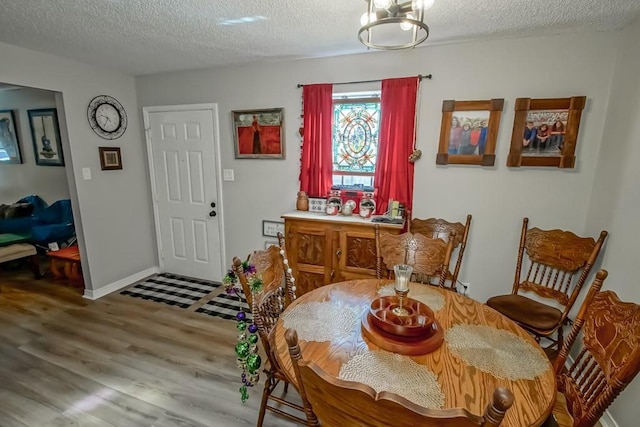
(69, 268)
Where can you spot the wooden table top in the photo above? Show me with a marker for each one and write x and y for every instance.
(464, 386)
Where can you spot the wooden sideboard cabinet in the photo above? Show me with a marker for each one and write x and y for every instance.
(325, 249)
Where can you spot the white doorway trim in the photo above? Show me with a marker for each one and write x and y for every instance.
(152, 176)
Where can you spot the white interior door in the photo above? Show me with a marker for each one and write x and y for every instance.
(183, 152)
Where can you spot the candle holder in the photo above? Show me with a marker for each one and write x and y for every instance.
(403, 276)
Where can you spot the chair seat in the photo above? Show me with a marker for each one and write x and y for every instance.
(526, 311)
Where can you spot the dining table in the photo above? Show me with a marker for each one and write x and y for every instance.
(466, 368)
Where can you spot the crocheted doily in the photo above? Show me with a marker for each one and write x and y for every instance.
(390, 372)
(496, 351)
(323, 321)
(432, 298)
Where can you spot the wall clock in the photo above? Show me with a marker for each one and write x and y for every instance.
(107, 117)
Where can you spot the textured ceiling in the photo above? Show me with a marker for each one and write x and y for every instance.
(150, 36)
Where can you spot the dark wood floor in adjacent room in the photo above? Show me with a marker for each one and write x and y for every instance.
(118, 361)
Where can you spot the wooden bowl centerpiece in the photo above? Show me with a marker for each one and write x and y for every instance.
(417, 323)
(416, 333)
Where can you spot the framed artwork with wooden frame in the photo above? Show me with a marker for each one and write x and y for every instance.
(545, 132)
(110, 158)
(469, 131)
(258, 134)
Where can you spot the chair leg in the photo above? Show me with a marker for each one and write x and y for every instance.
(34, 261)
(286, 387)
(263, 403)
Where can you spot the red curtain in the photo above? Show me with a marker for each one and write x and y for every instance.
(394, 172)
(317, 163)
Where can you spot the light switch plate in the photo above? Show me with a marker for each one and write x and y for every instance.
(227, 174)
(86, 173)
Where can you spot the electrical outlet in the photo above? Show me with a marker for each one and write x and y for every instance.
(463, 287)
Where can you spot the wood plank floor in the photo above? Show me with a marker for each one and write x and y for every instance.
(118, 361)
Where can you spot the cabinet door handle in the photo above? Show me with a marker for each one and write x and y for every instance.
(333, 273)
(339, 252)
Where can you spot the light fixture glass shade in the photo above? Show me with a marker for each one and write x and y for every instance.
(367, 18)
(382, 4)
(407, 26)
(422, 4)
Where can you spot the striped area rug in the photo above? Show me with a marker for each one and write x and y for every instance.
(226, 306)
(171, 289)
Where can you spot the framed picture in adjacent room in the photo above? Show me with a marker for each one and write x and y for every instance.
(469, 131)
(545, 132)
(9, 141)
(110, 158)
(45, 132)
(259, 134)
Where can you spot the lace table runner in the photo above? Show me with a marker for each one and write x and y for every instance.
(323, 321)
(390, 372)
(496, 351)
(431, 297)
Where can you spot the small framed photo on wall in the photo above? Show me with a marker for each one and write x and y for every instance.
(45, 132)
(545, 132)
(110, 158)
(469, 131)
(9, 141)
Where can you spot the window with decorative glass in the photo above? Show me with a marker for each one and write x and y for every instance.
(356, 123)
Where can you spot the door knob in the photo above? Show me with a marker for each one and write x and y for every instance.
(213, 204)
(212, 213)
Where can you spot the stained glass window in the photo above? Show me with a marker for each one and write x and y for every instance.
(355, 136)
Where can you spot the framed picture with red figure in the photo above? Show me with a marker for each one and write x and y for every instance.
(258, 134)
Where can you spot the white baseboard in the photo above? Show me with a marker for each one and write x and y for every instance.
(122, 283)
(606, 420)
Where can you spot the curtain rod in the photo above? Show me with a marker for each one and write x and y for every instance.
(420, 77)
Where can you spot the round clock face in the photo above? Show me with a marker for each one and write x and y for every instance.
(107, 117)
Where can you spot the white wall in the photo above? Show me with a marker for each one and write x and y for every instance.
(114, 207)
(19, 180)
(616, 194)
(497, 197)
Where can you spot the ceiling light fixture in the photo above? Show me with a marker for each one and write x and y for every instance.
(408, 16)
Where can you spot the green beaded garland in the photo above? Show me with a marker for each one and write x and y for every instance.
(253, 339)
(253, 363)
(244, 393)
(242, 325)
(242, 349)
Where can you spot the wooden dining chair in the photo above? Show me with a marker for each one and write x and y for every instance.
(558, 265)
(428, 256)
(605, 339)
(266, 307)
(442, 229)
(341, 403)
